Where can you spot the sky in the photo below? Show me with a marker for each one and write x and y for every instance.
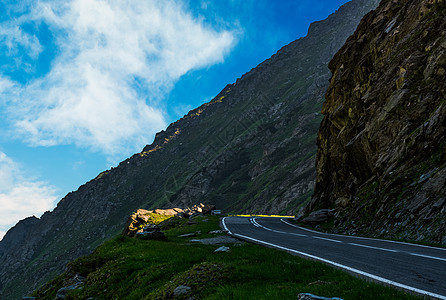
(84, 84)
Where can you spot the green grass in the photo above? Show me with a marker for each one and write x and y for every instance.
(129, 268)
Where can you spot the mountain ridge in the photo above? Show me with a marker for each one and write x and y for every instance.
(251, 149)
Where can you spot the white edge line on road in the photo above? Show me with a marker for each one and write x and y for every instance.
(224, 225)
(377, 278)
(360, 237)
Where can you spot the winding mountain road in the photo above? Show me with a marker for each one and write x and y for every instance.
(417, 268)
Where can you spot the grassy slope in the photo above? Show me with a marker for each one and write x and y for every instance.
(129, 268)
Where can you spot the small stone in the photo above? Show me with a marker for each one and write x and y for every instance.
(308, 296)
(222, 249)
(181, 290)
(216, 231)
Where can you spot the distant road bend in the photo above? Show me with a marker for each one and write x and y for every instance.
(417, 268)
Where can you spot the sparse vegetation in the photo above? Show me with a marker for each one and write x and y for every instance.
(129, 268)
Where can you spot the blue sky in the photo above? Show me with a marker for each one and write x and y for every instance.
(85, 84)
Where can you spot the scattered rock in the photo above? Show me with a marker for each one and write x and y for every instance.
(202, 208)
(181, 290)
(222, 249)
(318, 217)
(308, 296)
(141, 216)
(216, 231)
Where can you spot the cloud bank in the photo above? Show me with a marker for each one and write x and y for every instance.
(21, 196)
(114, 62)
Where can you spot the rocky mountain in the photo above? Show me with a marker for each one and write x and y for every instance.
(251, 149)
(382, 143)
(16, 234)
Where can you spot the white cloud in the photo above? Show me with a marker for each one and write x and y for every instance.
(12, 36)
(5, 84)
(21, 196)
(115, 61)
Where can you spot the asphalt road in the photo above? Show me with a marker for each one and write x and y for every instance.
(420, 269)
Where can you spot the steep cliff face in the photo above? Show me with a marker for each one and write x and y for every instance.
(17, 234)
(251, 149)
(382, 142)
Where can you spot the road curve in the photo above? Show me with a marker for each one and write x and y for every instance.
(417, 268)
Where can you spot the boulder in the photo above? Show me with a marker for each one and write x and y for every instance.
(308, 296)
(151, 228)
(168, 212)
(201, 209)
(222, 249)
(207, 209)
(318, 217)
(135, 221)
(183, 215)
(151, 232)
(181, 290)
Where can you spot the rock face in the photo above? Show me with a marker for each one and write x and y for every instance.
(17, 234)
(382, 142)
(251, 149)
